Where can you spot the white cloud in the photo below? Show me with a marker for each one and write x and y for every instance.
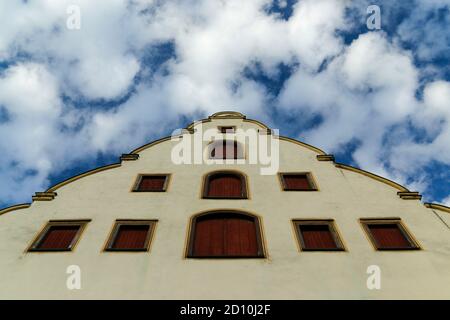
(446, 201)
(96, 60)
(434, 116)
(365, 89)
(424, 28)
(28, 136)
(312, 31)
(437, 97)
(113, 76)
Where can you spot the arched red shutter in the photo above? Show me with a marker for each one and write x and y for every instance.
(209, 237)
(225, 235)
(225, 185)
(241, 238)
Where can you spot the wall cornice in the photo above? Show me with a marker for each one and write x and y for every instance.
(437, 206)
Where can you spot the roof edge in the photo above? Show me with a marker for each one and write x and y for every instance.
(303, 144)
(83, 174)
(373, 176)
(14, 207)
(227, 115)
(437, 206)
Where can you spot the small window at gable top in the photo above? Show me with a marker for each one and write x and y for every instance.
(151, 183)
(389, 234)
(131, 235)
(226, 149)
(302, 181)
(229, 129)
(59, 235)
(318, 235)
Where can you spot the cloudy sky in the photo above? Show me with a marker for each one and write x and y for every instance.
(72, 99)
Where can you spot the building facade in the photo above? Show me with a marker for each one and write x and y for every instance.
(151, 227)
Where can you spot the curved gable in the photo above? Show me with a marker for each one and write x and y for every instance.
(224, 118)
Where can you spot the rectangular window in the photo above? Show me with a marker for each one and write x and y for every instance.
(59, 235)
(227, 129)
(318, 235)
(389, 234)
(302, 181)
(131, 235)
(151, 183)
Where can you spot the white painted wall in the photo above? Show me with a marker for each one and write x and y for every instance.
(165, 273)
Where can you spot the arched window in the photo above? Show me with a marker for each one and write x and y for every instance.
(225, 185)
(225, 235)
(226, 149)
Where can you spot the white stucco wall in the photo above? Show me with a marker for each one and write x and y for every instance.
(164, 272)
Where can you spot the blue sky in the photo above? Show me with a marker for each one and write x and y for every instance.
(75, 99)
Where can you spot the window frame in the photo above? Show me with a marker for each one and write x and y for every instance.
(309, 177)
(261, 254)
(297, 223)
(126, 222)
(221, 129)
(365, 222)
(240, 155)
(82, 223)
(138, 180)
(242, 177)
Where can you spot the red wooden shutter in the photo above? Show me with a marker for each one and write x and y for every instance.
(317, 237)
(225, 185)
(131, 237)
(241, 238)
(389, 236)
(296, 182)
(152, 183)
(225, 234)
(209, 237)
(59, 237)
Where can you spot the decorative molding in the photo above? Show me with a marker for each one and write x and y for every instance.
(186, 131)
(227, 115)
(237, 115)
(15, 207)
(265, 131)
(325, 157)
(50, 194)
(151, 144)
(437, 206)
(84, 174)
(129, 157)
(409, 195)
(44, 196)
(373, 176)
(303, 144)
